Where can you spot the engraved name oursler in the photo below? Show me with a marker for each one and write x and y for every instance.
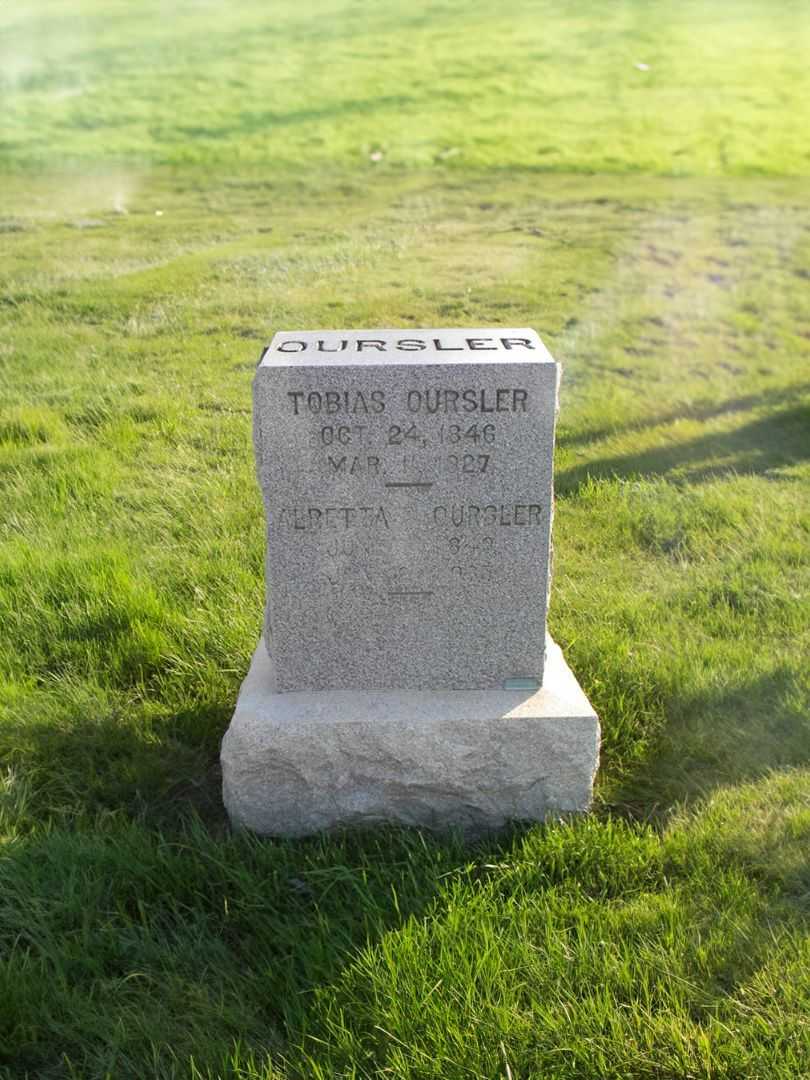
(358, 343)
(407, 483)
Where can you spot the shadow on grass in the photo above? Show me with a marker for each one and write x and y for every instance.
(711, 740)
(119, 762)
(127, 947)
(761, 446)
(139, 930)
(702, 411)
(251, 122)
(138, 940)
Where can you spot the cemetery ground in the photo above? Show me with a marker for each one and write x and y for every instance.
(667, 934)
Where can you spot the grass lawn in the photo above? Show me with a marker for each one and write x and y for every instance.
(178, 181)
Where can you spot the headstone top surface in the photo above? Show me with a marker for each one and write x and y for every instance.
(370, 348)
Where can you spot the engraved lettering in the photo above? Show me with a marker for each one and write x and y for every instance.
(332, 518)
(355, 465)
(334, 402)
(471, 515)
(508, 342)
(439, 400)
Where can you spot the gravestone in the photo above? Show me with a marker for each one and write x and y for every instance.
(409, 498)
(407, 674)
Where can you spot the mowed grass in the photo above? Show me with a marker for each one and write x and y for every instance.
(142, 938)
(695, 87)
(666, 935)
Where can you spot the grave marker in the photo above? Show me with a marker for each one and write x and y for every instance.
(408, 494)
(407, 483)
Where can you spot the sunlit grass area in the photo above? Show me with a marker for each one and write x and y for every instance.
(694, 87)
(181, 182)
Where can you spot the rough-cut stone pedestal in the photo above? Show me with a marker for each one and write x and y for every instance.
(297, 762)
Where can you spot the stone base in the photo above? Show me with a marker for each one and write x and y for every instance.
(298, 762)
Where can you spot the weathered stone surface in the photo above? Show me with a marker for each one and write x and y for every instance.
(296, 763)
(407, 479)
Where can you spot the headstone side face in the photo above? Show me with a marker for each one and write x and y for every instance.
(407, 482)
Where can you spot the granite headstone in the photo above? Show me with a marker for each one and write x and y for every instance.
(407, 675)
(407, 483)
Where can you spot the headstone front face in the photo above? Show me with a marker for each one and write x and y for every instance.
(407, 480)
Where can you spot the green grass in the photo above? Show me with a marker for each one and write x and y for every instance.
(531, 83)
(666, 935)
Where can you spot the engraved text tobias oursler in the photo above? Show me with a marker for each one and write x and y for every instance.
(427, 400)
